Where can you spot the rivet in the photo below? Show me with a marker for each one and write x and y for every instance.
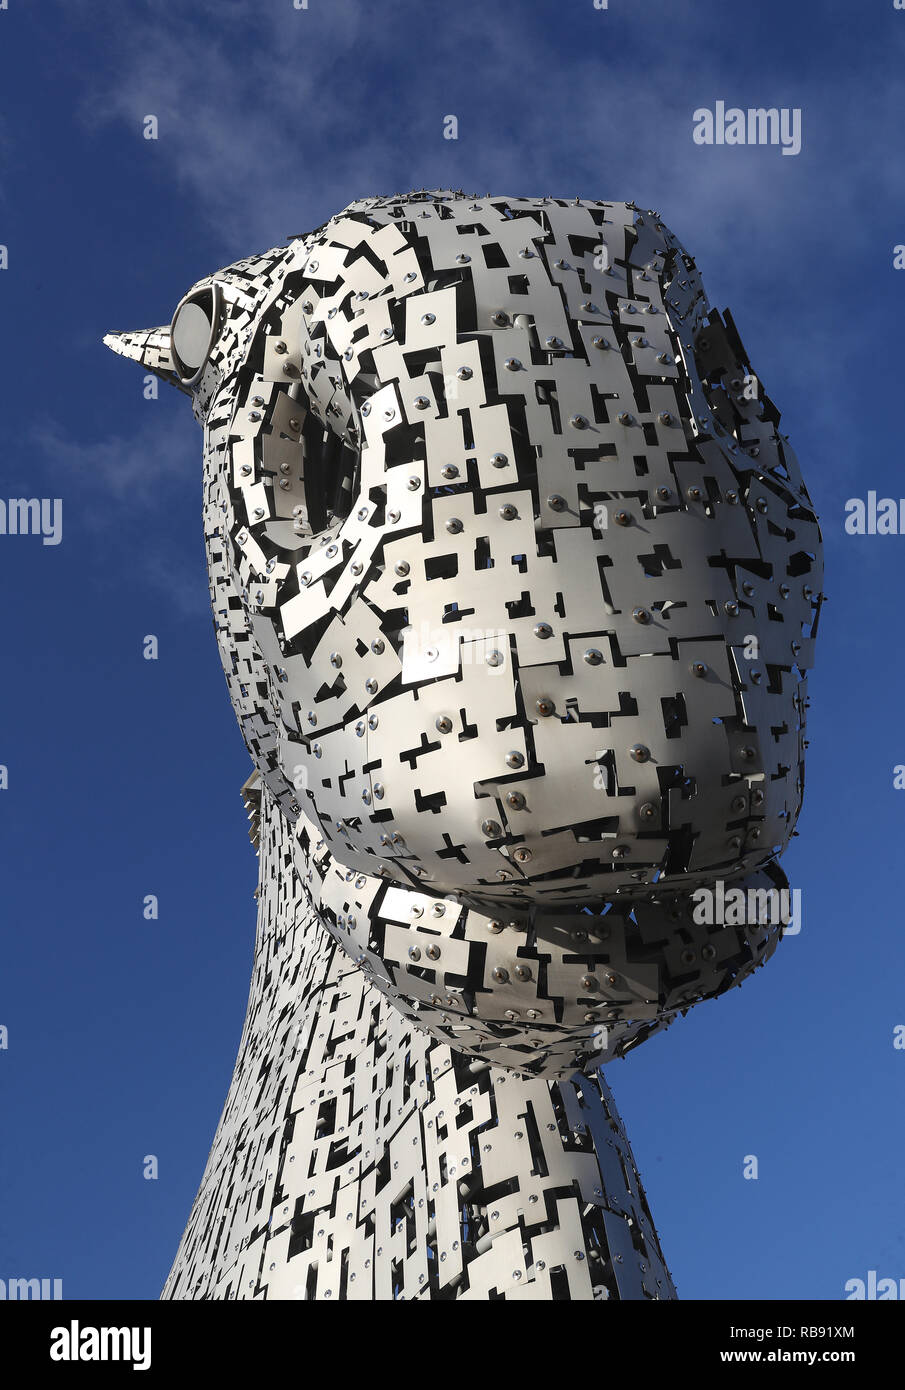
(449, 471)
(515, 759)
(523, 856)
(641, 615)
(588, 982)
(622, 519)
(648, 811)
(465, 373)
(512, 364)
(599, 342)
(699, 668)
(491, 828)
(515, 801)
(508, 512)
(543, 630)
(499, 460)
(336, 659)
(556, 503)
(592, 656)
(500, 975)
(494, 658)
(428, 319)
(402, 568)
(544, 706)
(454, 525)
(444, 724)
(578, 422)
(500, 318)
(523, 972)
(731, 608)
(639, 752)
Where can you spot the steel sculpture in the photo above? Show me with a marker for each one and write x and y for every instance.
(515, 583)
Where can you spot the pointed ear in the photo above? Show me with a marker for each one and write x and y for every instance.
(151, 348)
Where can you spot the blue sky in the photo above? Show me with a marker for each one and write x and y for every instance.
(124, 774)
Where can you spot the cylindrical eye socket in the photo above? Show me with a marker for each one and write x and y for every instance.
(192, 333)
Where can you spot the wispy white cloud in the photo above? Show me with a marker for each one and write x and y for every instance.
(134, 471)
(135, 499)
(271, 119)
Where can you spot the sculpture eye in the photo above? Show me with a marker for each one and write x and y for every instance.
(193, 331)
